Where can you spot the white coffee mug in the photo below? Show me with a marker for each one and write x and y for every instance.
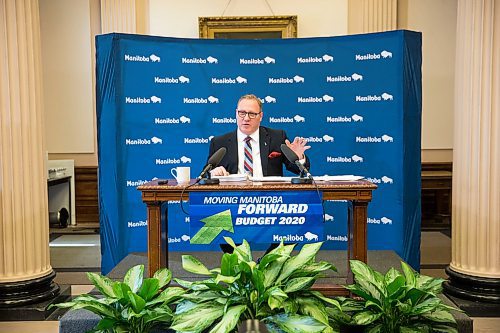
(181, 174)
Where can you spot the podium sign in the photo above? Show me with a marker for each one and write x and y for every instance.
(258, 217)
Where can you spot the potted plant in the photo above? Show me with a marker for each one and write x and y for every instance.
(275, 290)
(136, 305)
(394, 302)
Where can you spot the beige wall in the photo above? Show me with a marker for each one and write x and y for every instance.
(67, 76)
(68, 59)
(315, 17)
(437, 21)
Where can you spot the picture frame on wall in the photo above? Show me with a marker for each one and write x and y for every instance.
(248, 27)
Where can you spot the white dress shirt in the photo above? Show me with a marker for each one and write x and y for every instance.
(256, 161)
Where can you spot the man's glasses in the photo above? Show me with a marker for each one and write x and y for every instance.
(243, 114)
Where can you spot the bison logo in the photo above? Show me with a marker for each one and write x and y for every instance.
(386, 220)
(269, 60)
(356, 117)
(327, 98)
(327, 138)
(298, 78)
(156, 140)
(270, 99)
(386, 54)
(387, 180)
(327, 58)
(310, 236)
(357, 158)
(155, 99)
(213, 99)
(212, 60)
(185, 159)
(387, 97)
(183, 79)
(357, 77)
(387, 138)
(185, 120)
(241, 79)
(299, 118)
(154, 58)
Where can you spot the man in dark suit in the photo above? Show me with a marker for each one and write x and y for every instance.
(255, 149)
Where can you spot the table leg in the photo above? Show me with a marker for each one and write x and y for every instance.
(157, 256)
(356, 230)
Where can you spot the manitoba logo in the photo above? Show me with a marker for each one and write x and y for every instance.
(314, 59)
(375, 139)
(180, 79)
(182, 119)
(135, 224)
(209, 60)
(344, 119)
(196, 140)
(373, 56)
(345, 78)
(224, 120)
(295, 79)
(172, 160)
(383, 179)
(336, 238)
(375, 98)
(135, 183)
(229, 80)
(320, 99)
(154, 140)
(141, 58)
(344, 159)
(142, 100)
(200, 100)
(382, 220)
(257, 61)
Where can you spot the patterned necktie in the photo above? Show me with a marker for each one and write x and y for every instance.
(248, 163)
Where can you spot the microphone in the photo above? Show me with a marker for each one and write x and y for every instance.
(213, 161)
(292, 157)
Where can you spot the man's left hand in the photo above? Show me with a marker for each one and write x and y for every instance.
(298, 146)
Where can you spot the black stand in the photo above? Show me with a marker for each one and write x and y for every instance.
(207, 180)
(302, 179)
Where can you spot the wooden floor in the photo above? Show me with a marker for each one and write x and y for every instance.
(435, 247)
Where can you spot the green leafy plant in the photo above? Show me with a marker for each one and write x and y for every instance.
(394, 302)
(276, 290)
(135, 305)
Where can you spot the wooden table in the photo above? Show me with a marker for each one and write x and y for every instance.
(357, 193)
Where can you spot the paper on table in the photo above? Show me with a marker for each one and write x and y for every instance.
(271, 179)
(339, 178)
(232, 178)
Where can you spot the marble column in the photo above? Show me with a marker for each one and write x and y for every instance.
(366, 16)
(25, 272)
(474, 270)
(125, 16)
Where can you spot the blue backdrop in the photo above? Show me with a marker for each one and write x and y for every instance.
(357, 99)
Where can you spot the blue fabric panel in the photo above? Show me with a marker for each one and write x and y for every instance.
(357, 100)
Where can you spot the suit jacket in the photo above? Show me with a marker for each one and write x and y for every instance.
(270, 141)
